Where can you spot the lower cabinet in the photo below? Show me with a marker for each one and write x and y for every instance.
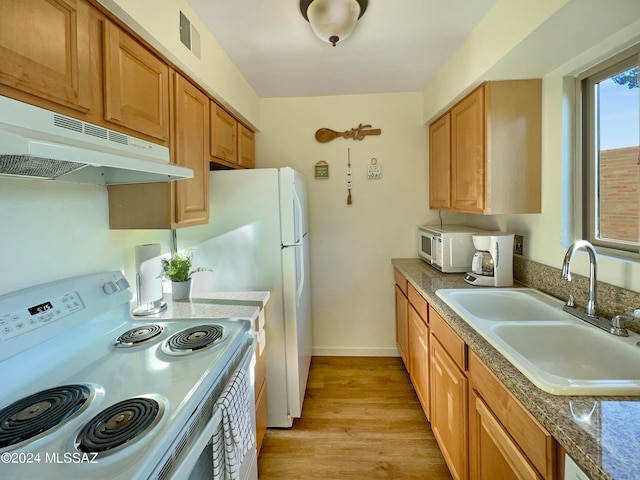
(482, 429)
(448, 400)
(260, 380)
(419, 358)
(492, 452)
(500, 427)
(402, 318)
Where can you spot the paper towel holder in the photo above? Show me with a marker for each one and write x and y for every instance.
(148, 280)
(148, 308)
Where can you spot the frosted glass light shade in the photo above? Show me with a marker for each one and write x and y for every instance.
(333, 20)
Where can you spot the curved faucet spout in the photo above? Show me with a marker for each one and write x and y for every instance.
(592, 305)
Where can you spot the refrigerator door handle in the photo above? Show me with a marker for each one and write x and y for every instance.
(297, 219)
(300, 266)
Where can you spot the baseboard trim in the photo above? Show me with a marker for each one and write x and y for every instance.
(355, 352)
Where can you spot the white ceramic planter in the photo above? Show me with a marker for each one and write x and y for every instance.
(181, 290)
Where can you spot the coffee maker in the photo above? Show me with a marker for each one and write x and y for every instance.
(492, 264)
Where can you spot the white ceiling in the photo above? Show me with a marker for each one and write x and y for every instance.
(397, 45)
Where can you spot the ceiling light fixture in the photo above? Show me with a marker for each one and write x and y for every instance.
(332, 20)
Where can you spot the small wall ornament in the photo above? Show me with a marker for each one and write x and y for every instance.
(349, 177)
(374, 171)
(325, 135)
(322, 169)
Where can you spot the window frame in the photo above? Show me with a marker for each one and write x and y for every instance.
(587, 150)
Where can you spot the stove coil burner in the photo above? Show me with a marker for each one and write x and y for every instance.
(139, 335)
(193, 339)
(40, 412)
(119, 425)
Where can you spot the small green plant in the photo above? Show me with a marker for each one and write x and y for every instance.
(179, 267)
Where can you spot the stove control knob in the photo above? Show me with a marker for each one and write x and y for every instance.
(110, 288)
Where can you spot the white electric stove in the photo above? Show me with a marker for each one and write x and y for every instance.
(87, 391)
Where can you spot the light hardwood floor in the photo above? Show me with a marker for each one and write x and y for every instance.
(361, 420)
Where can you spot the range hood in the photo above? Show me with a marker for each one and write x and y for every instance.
(38, 143)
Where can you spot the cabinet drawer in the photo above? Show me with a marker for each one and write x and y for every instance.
(534, 440)
(449, 339)
(400, 280)
(419, 303)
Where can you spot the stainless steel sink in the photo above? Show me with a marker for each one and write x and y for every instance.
(559, 353)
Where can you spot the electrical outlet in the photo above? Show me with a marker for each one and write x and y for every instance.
(518, 244)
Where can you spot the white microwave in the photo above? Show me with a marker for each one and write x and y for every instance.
(449, 248)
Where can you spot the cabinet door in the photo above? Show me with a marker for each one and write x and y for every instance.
(440, 163)
(419, 358)
(492, 452)
(468, 153)
(246, 147)
(44, 50)
(191, 151)
(449, 409)
(402, 325)
(136, 85)
(224, 131)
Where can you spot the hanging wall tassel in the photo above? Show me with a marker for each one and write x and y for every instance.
(349, 176)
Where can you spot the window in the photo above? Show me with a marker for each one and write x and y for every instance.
(611, 155)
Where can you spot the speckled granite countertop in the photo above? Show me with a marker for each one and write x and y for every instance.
(602, 434)
(245, 305)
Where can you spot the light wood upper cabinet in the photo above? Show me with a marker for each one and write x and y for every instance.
(191, 142)
(468, 154)
(246, 147)
(224, 135)
(440, 163)
(44, 50)
(136, 85)
(179, 203)
(232, 144)
(494, 164)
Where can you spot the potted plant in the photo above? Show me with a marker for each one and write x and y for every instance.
(178, 268)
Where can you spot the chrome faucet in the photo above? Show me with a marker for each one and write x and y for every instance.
(592, 304)
(590, 315)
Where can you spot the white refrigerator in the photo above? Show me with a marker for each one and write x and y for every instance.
(258, 239)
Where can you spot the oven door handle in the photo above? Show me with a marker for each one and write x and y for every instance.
(190, 459)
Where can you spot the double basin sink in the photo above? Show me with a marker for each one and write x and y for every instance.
(556, 351)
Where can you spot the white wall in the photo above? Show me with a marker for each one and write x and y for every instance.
(572, 45)
(352, 245)
(507, 24)
(54, 230)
